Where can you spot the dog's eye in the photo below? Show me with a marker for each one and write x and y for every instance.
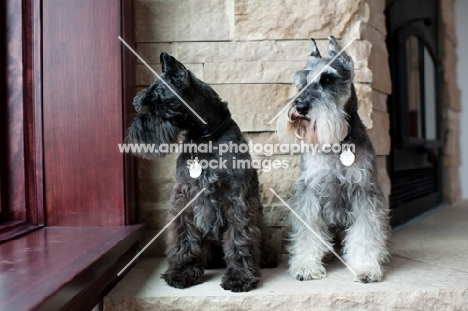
(327, 79)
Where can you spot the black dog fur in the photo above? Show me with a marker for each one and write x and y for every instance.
(224, 226)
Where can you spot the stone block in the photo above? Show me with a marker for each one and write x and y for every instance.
(452, 185)
(145, 77)
(378, 64)
(280, 180)
(452, 160)
(251, 72)
(371, 34)
(447, 8)
(264, 139)
(449, 61)
(379, 101)
(452, 119)
(156, 179)
(254, 105)
(376, 16)
(383, 178)
(150, 51)
(379, 134)
(451, 96)
(182, 20)
(363, 92)
(268, 51)
(282, 19)
(157, 171)
(452, 144)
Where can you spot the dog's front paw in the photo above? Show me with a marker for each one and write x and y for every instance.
(308, 273)
(236, 283)
(368, 276)
(184, 278)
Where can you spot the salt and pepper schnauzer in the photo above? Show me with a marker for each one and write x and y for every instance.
(224, 226)
(331, 195)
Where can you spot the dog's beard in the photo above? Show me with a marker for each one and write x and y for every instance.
(153, 133)
(324, 124)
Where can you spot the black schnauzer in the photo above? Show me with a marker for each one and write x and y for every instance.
(224, 225)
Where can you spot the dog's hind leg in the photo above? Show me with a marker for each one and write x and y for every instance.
(184, 251)
(365, 244)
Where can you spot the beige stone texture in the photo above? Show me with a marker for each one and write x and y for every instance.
(363, 92)
(452, 160)
(451, 96)
(280, 180)
(230, 51)
(376, 15)
(379, 134)
(262, 72)
(383, 178)
(452, 145)
(251, 72)
(246, 51)
(448, 20)
(379, 101)
(378, 64)
(254, 105)
(156, 179)
(372, 35)
(427, 272)
(452, 185)
(449, 61)
(282, 19)
(452, 104)
(182, 20)
(145, 77)
(151, 51)
(452, 119)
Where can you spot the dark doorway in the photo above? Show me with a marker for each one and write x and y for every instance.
(415, 163)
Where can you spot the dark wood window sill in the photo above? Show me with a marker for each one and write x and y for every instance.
(12, 229)
(64, 268)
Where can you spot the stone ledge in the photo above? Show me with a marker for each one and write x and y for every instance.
(405, 287)
(428, 272)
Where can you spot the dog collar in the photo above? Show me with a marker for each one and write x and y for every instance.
(219, 129)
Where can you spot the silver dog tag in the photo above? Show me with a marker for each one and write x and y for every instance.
(347, 157)
(195, 169)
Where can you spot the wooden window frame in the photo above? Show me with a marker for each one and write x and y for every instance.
(22, 193)
(96, 245)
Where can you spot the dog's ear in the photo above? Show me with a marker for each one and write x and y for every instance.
(315, 51)
(300, 78)
(335, 48)
(173, 69)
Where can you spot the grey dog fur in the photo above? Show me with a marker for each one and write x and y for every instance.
(328, 195)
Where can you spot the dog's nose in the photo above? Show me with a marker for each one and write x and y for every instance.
(302, 107)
